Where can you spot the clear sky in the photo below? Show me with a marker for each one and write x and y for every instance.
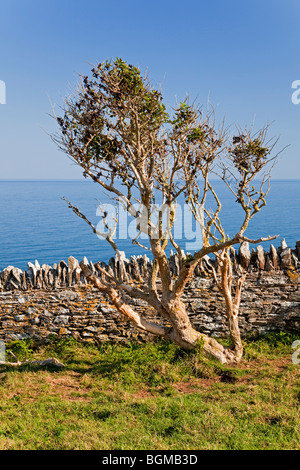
(243, 55)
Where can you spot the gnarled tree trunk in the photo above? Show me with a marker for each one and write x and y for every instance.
(180, 331)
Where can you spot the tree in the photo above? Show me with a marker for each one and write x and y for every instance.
(118, 130)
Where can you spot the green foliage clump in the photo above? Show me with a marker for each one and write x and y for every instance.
(22, 349)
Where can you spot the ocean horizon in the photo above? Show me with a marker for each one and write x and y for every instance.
(36, 224)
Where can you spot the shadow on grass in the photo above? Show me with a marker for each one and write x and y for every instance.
(153, 362)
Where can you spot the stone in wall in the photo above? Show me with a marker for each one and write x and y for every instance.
(274, 258)
(244, 255)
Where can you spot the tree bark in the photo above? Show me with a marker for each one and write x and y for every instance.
(235, 335)
(184, 335)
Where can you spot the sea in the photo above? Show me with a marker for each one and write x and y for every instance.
(37, 224)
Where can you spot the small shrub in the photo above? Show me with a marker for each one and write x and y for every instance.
(22, 349)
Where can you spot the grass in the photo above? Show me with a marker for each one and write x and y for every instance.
(150, 396)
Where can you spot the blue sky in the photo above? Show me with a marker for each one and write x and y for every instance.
(243, 55)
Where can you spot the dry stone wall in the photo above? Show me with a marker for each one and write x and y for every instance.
(55, 300)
